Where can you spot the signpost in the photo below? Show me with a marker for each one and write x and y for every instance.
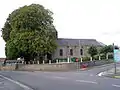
(116, 55)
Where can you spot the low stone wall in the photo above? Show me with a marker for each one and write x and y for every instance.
(47, 67)
(5, 68)
(54, 66)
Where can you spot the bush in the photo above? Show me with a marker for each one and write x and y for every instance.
(96, 57)
(103, 57)
(110, 56)
(60, 59)
(85, 58)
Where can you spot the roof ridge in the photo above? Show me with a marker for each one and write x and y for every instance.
(74, 39)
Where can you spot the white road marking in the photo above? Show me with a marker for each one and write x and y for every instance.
(116, 85)
(84, 81)
(18, 83)
(100, 74)
(47, 72)
(59, 77)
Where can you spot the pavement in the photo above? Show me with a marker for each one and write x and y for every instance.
(111, 73)
(74, 80)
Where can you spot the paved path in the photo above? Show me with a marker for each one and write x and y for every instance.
(75, 80)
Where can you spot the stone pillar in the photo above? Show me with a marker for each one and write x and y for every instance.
(43, 62)
(90, 58)
(22, 62)
(81, 59)
(106, 56)
(38, 62)
(57, 61)
(68, 59)
(49, 61)
(99, 57)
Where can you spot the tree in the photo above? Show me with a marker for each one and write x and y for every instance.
(92, 51)
(6, 30)
(29, 31)
(106, 49)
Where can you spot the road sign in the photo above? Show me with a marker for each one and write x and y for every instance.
(116, 55)
(76, 59)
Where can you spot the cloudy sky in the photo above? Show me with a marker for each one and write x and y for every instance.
(94, 19)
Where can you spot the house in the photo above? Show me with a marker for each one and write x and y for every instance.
(74, 47)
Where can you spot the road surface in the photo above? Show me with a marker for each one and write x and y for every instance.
(74, 80)
(8, 85)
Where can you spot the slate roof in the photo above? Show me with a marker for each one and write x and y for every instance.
(77, 42)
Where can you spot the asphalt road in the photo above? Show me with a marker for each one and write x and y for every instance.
(74, 80)
(8, 85)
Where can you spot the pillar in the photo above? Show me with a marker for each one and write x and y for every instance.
(81, 59)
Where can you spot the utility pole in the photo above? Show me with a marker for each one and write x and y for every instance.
(115, 71)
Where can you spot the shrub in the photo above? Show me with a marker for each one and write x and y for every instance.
(110, 56)
(96, 57)
(103, 57)
(86, 59)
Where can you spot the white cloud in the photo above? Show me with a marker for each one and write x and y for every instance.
(98, 19)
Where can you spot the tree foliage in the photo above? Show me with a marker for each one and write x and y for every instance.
(29, 31)
(92, 51)
(6, 30)
(108, 49)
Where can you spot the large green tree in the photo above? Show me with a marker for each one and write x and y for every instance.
(29, 31)
(107, 49)
(92, 51)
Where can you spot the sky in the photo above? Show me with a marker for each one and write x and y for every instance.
(83, 19)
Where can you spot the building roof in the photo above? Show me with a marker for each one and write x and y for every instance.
(77, 42)
(2, 59)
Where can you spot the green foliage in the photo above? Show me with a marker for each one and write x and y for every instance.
(62, 59)
(103, 56)
(110, 56)
(29, 31)
(12, 51)
(92, 51)
(96, 57)
(6, 30)
(106, 49)
(85, 59)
